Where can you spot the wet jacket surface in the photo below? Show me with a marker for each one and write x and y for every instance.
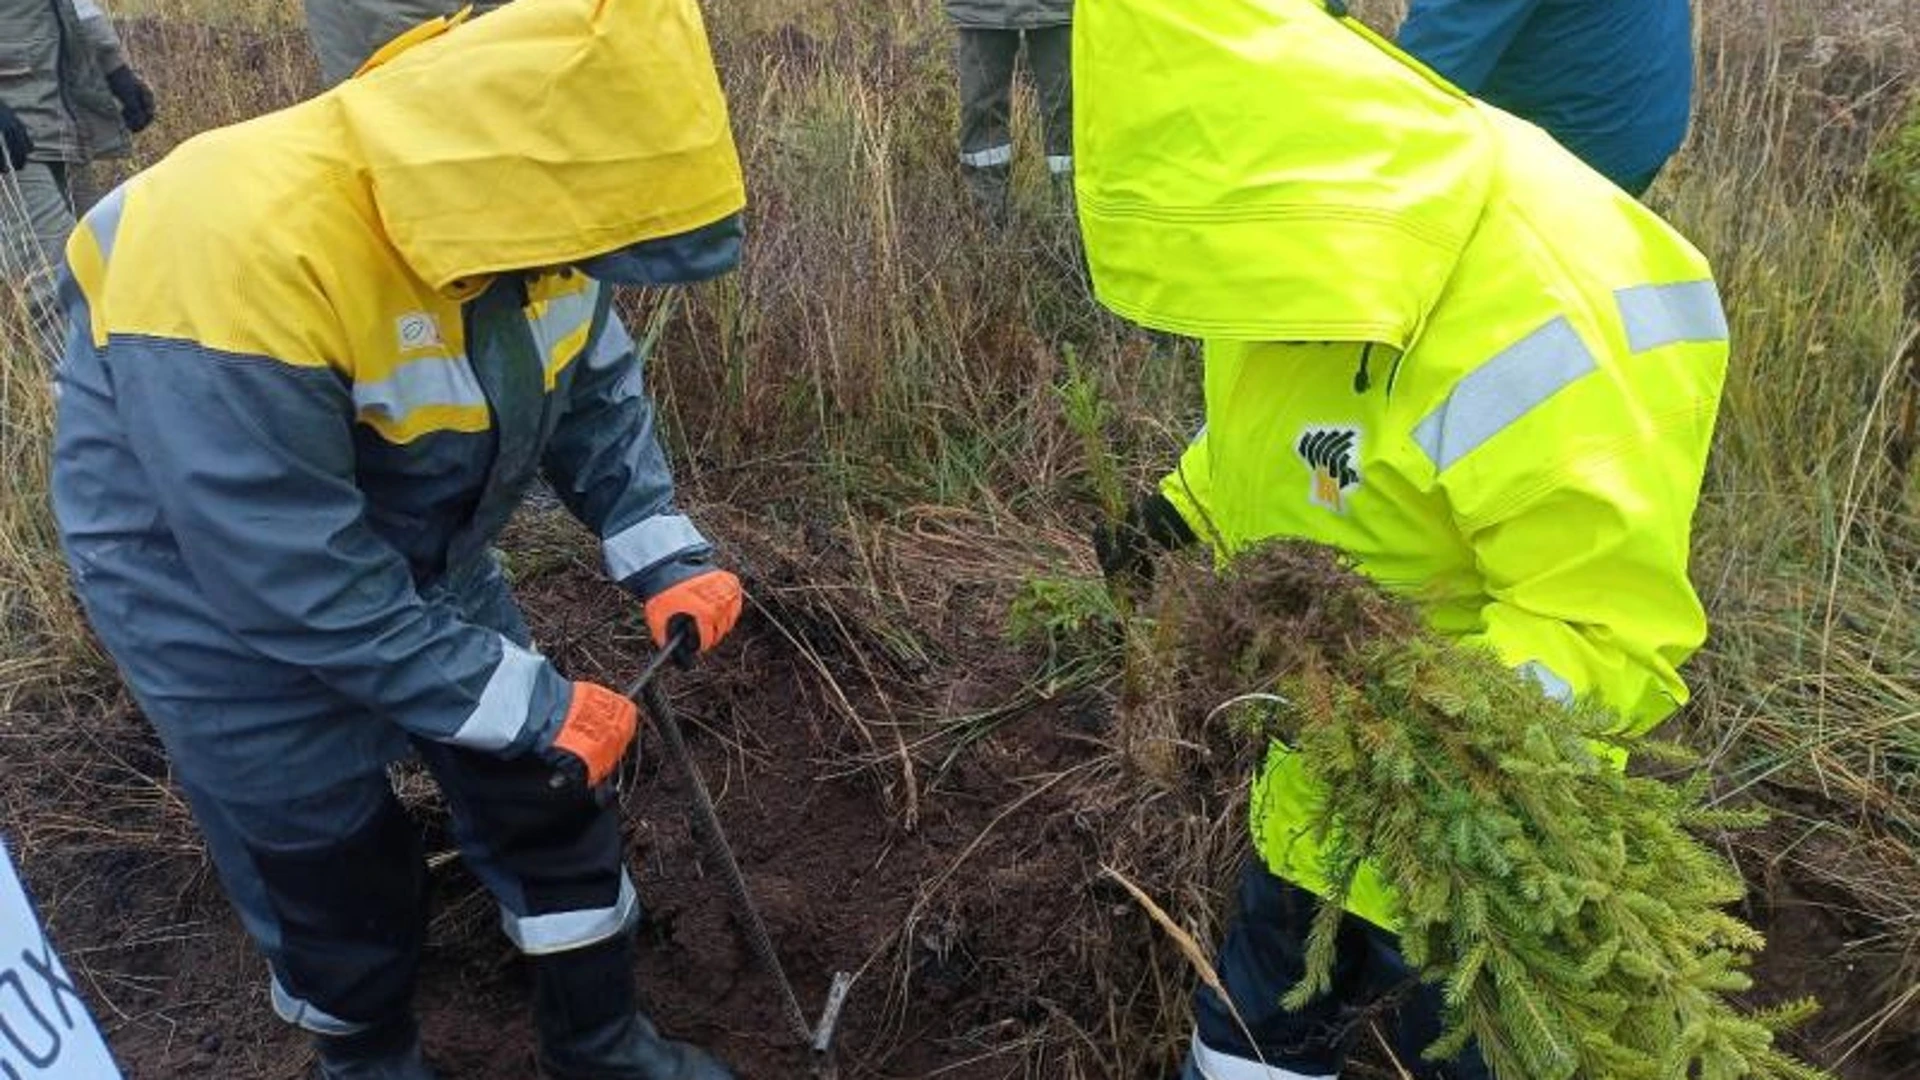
(1434, 340)
(1611, 79)
(54, 60)
(1009, 14)
(294, 416)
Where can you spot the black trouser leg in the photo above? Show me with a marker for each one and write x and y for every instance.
(1050, 59)
(551, 857)
(1264, 956)
(333, 889)
(986, 61)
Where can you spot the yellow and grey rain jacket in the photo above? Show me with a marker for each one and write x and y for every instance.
(317, 358)
(1434, 340)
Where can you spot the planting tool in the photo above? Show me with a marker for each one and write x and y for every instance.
(818, 1038)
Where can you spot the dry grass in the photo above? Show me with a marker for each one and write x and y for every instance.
(884, 363)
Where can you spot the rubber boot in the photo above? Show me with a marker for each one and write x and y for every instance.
(383, 1053)
(591, 1029)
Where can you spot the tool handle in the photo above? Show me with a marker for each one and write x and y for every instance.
(570, 771)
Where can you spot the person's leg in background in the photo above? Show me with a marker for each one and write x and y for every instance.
(986, 62)
(332, 888)
(1050, 59)
(36, 218)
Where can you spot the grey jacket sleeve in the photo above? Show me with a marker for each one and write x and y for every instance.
(252, 463)
(98, 30)
(605, 461)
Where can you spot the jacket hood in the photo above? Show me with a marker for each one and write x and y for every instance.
(541, 134)
(1266, 170)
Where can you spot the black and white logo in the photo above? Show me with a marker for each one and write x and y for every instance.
(1332, 455)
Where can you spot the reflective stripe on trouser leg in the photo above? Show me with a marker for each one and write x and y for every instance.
(1206, 1063)
(988, 158)
(306, 1015)
(561, 931)
(1059, 164)
(552, 858)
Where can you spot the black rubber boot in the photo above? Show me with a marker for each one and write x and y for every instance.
(591, 1029)
(383, 1053)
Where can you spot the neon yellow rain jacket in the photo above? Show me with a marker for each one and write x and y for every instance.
(319, 356)
(1434, 340)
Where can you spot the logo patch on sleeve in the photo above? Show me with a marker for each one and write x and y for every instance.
(1332, 455)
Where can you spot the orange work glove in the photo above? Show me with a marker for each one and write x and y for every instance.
(598, 727)
(706, 604)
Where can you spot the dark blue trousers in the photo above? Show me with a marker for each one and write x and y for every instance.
(1262, 958)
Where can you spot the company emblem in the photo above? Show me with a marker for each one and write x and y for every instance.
(1333, 456)
(418, 330)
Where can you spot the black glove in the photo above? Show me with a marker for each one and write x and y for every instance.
(15, 142)
(136, 101)
(1126, 548)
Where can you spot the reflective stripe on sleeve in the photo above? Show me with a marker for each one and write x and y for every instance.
(1658, 315)
(1214, 1064)
(560, 931)
(560, 328)
(306, 1015)
(1059, 163)
(429, 382)
(991, 156)
(1499, 392)
(104, 220)
(501, 715)
(1550, 683)
(648, 543)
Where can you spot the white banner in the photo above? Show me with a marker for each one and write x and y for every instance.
(45, 1032)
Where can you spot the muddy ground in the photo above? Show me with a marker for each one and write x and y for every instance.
(893, 818)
